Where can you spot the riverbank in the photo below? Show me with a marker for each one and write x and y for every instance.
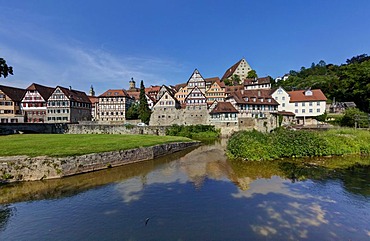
(37, 160)
(283, 143)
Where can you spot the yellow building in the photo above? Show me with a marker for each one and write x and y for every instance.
(10, 104)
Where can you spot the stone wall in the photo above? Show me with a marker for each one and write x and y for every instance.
(23, 168)
(187, 116)
(115, 129)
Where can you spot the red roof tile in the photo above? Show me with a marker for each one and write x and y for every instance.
(44, 91)
(114, 93)
(75, 95)
(16, 94)
(299, 96)
(231, 70)
(224, 107)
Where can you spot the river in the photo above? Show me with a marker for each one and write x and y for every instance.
(196, 194)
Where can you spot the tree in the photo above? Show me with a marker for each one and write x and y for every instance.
(133, 112)
(353, 117)
(144, 111)
(235, 79)
(5, 70)
(252, 74)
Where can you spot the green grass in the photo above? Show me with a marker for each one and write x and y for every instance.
(57, 145)
(287, 143)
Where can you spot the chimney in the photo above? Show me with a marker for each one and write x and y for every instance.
(70, 87)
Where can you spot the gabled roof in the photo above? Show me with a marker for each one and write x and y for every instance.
(259, 81)
(198, 90)
(16, 94)
(44, 91)
(194, 73)
(229, 72)
(152, 88)
(93, 99)
(234, 88)
(75, 95)
(224, 107)
(179, 86)
(212, 79)
(299, 96)
(167, 90)
(115, 93)
(248, 96)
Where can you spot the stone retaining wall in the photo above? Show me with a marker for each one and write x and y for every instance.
(23, 168)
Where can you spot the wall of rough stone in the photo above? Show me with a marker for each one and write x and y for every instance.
(23, 168)
(115, 129)
(179, 117)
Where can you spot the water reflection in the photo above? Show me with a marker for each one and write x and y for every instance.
(197, 195)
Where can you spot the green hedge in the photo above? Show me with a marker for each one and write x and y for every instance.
(288, 143)
(198, 132)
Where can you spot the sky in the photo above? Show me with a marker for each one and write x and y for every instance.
(80, 43)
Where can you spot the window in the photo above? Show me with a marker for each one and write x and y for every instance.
(310, 103)
(303, 104)
(283, 105)
(318, 110)
(318, 103)
(283, 98)
(310, 110)
(296, 104)
(296, 110)
(303, 111)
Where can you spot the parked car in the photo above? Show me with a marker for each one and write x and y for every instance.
(141, 124)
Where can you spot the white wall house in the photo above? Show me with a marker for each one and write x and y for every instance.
(305, 104)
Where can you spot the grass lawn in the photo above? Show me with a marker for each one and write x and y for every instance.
(58, 145)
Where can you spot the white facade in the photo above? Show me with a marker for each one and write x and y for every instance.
(307, 106)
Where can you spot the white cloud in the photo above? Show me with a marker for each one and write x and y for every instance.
(43, 56)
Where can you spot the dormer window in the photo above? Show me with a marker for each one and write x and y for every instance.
(269, 100)
(308, 93)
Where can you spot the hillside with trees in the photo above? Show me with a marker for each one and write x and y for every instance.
(346, 82)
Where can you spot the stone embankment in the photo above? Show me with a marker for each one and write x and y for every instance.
(24, 168)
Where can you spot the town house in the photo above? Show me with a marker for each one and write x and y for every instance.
(68, 106)
(113, 105)
(34, 103)
(10, 104)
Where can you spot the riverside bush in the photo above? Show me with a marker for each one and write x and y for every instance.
(198, 132)
(281, 143)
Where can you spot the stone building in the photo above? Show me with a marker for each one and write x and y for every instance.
(241, 69)
(68, 106)
(257, 83)
(10, 104)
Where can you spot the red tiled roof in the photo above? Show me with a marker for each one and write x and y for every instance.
(212, 79)
(287, 113)
(234, 88)
(75, 95)
(299, 96)
(114, 93)
(248, 97)
(179, 86)
(44, 91)
(264, 80)
(16, 94)
(231, 70)
(224, 107)
(93, 99)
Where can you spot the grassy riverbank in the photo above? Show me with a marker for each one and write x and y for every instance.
(287, 143)
(57, 145)
(196, 132)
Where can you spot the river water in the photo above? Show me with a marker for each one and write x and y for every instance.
(196, 194)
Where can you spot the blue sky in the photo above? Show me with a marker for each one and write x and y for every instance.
(80, 43)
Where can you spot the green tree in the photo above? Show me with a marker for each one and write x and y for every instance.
(353, 117)
(5, 70)
(133, 112)
(144, 111)
(252, 74)
(235, 79)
